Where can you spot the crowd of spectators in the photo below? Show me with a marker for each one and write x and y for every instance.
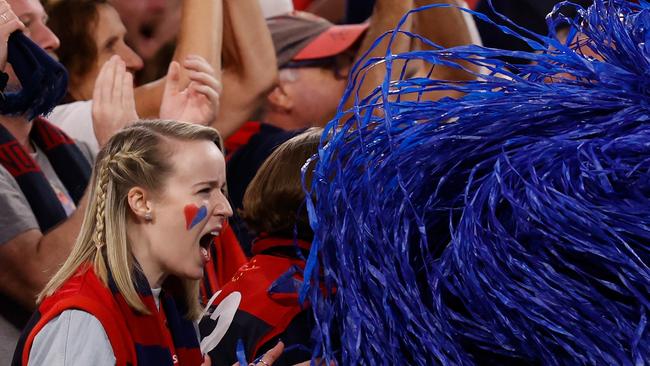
(265, 74)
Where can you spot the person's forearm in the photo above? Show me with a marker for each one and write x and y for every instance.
(29, 261)
(385, 17)
(332, 10)
(249, 64)
(55, 246)
(447, 27)
(200, 34)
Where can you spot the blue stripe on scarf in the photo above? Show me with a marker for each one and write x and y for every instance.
(153, 355)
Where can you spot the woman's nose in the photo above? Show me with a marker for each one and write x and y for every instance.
(223, 208)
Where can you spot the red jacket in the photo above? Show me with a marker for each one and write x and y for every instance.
(125, 328)
(259, 304)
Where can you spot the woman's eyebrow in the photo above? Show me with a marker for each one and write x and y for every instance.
(214, 183)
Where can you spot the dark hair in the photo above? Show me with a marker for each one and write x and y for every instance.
(274, 200)
(75, 22)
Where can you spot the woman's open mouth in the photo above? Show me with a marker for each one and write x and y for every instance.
(204, 244)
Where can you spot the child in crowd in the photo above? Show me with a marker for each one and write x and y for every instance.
(260, 305)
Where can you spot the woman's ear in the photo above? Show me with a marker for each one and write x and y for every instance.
(140, 204)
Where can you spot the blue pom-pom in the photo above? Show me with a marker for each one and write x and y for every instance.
(508, 226)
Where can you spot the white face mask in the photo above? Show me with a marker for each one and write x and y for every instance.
(272, 8)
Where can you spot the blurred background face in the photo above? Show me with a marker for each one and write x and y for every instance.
(32, 14)
(150, 24)
(316, 94)
(109, 40)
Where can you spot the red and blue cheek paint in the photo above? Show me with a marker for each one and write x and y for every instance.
(194, 215)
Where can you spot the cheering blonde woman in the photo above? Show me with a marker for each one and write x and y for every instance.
(128, 293)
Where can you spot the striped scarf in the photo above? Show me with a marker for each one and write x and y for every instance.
(163, 337)
(68, 162)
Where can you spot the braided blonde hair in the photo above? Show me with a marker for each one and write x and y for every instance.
(136, 156)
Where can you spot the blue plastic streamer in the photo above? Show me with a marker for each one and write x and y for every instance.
(508, 226)
(286, 283)
(241, 352)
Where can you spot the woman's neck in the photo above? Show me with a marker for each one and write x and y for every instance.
(141, 250)
(155, 276)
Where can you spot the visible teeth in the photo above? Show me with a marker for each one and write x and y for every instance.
(205, 253)
(214, 233)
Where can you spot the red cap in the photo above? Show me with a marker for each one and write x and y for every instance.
(300, 36)
(336, 39)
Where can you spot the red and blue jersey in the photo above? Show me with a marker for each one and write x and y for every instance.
(260, 305)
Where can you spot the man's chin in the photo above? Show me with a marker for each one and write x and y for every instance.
(53, 55)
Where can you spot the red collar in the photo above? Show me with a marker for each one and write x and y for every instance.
(264, 243)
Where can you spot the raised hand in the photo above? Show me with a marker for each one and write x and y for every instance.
(199, 101)
(8, 24)
(113, 102)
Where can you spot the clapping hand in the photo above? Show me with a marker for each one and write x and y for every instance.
(113, 100)
(199, 101)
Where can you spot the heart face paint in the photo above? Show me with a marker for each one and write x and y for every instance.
(194, 215)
